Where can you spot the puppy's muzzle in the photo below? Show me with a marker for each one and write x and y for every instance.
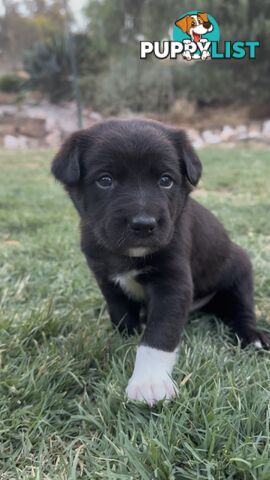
(143, 225)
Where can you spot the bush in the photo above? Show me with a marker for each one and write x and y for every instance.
(48, 66)
(205, 83)
(130, 85)
(11, 83)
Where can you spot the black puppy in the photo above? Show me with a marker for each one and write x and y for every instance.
(151, 246)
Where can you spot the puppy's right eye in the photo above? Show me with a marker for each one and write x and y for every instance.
(165, 181)
(105, 181)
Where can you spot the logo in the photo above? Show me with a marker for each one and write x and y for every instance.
(196, 30)
(196, 36)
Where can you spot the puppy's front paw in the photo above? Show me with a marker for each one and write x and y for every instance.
(262, 340)
(205, 55)
(258, 338)
(150, 390)
(151, 379)
(187, 55)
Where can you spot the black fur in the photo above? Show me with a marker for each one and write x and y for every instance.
(190, 254)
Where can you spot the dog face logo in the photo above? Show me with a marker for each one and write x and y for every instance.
(196, 36)
(196, 31)
(195, 25)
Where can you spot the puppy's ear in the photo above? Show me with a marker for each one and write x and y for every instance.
(183, 23)
(203, 16)
(66, 165)
(190, 164)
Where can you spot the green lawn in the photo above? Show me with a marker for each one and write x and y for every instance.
(63, 414)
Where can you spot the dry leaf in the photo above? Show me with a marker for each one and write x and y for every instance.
(12, 243)
(185, 379)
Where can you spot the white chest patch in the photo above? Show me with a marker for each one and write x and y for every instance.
(138, 252)
(127, 281)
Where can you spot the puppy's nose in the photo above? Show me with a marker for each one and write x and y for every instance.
(143, 225)
(206, 24)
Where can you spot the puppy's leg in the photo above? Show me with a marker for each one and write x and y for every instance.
(234, 303)
(170, 298)
(124, 312)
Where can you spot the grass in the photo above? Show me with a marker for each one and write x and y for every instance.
(63, 414)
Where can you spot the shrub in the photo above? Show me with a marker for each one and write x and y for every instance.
(11, 83)
(130, 85)
(48, 66)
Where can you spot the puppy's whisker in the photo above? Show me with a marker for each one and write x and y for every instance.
(121, 240)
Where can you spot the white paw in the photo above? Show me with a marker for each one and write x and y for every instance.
(205, 55)
(151, 379)
(151, 390)
(258, 344)
(187, 55)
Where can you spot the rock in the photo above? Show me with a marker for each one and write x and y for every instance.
(36, 142)
(10, 141)
(181, 111)
(255, 132)
(228, 133)
(53, 139)
(195, 138)
(211, 137)
(31, 127)
(266, 129)
(8, 110)
(8, 124)
(95, 116)
(23, 141)
(13, 123)
(242, 132)
(241, 129)
(6, 129)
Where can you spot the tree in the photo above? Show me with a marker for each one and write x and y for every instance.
(48, 66)
(24, 23)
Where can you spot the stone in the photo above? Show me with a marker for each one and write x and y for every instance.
(227, 134)
(53, 139)
(95, 116)
(266, 129)
(8, 110)
(211, 137)
(255, 132)
(23, 141)
(195, 138)
(241, 128)
(7, 129)
(10, 141)
(31, 127)
(242, 132)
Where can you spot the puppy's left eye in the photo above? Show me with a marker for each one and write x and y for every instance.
(105, 181)
(165, 181)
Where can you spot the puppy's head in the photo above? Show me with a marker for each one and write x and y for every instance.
(195, 25)
(129, 180)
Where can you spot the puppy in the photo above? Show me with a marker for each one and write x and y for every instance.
(195, 26)
(151, 246)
